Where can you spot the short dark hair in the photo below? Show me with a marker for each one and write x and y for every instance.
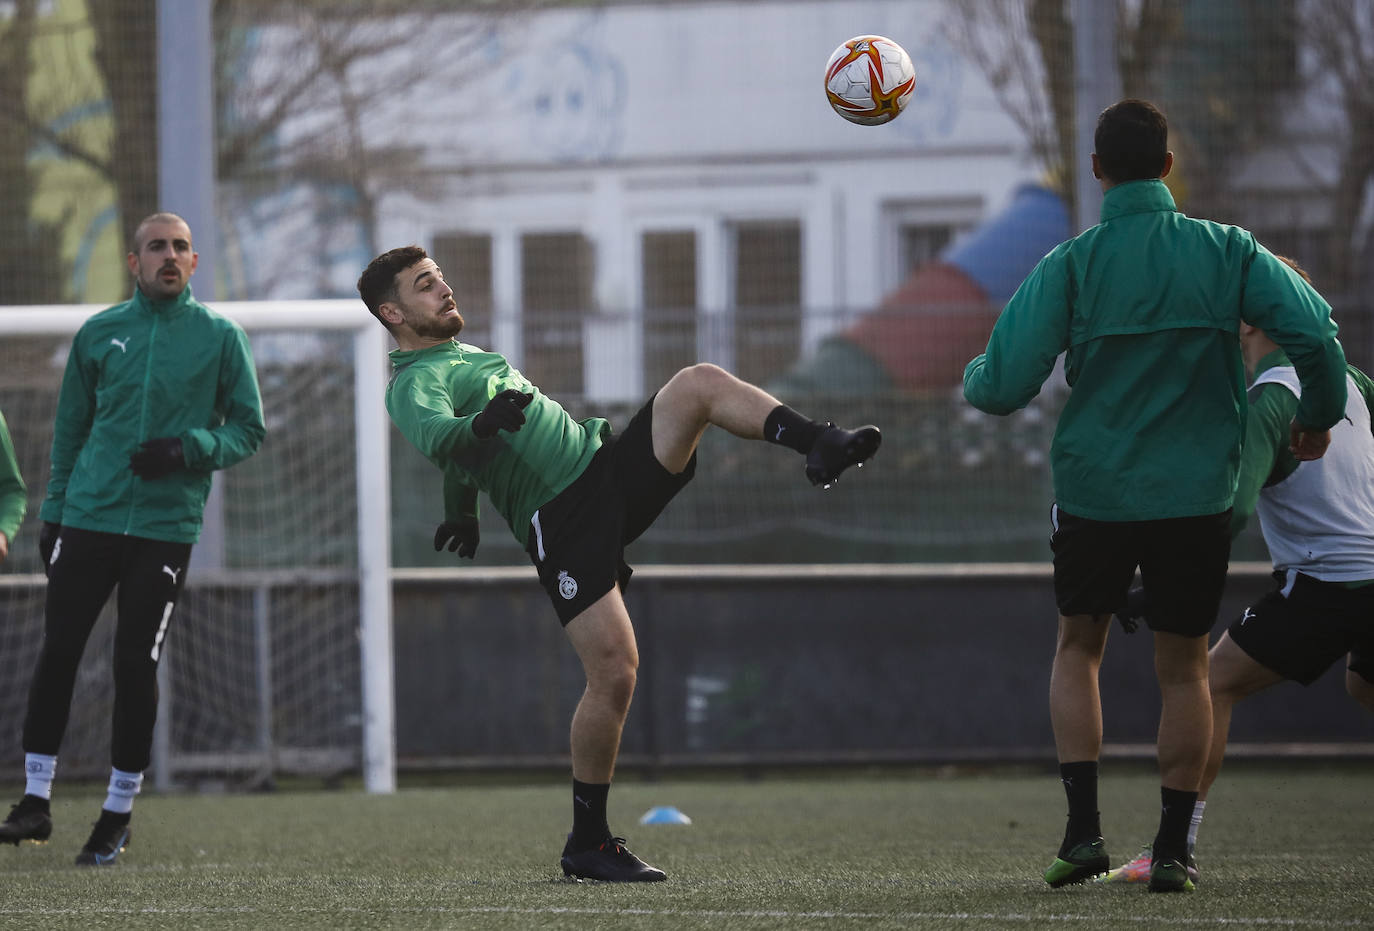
(162, 216)
(1292, 263)
(1132, 141)
(377, 284)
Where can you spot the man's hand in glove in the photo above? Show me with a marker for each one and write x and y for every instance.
(157, 458)
(461, 535)
(506, 412)
(1133, 611)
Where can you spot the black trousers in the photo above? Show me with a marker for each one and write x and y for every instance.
(86, 567)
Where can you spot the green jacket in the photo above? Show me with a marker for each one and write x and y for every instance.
(139, 371)
(13, 492)
(1147, 305)
(433, 397)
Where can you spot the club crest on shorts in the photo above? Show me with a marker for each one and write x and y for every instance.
(567, 585)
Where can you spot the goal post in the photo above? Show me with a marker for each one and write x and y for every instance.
(281, 657)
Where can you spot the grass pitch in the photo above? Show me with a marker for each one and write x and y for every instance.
(1288, 846)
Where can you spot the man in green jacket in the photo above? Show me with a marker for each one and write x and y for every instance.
(572, 492)
(13, 492)
(158, 393)
(1318, 523)
(1147, 306)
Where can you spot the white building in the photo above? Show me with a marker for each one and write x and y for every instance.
(620, 182)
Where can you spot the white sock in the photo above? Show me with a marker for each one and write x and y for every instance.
(1194, 824)
(123, 787)
(39, 769)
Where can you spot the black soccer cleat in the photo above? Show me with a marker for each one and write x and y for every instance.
(610, 861)
(30, 820)
(108, 839)
(836, 449)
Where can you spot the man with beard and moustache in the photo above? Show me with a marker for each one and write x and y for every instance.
(573, 493)
(158, 393)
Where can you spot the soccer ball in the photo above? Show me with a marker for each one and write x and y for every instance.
(869, 79)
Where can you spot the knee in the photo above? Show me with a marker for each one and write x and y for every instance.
(704, 379)
(59, 650)
(615, 680)
(133, 664)
(1223, 691)
(1181, 660)
(1082, 639)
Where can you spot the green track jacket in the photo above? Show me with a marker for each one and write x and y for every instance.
(433, 397)
(1148, 305)
(139, 371)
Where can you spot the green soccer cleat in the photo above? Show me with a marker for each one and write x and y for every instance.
(1084, 861)
(1170, 876)
(1137, 871)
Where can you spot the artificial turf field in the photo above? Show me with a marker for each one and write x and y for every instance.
(1282, 846)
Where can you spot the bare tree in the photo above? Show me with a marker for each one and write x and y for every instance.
(1034, 81)
(126, 56)
(992, 34)
(1341, 35)
(31, 266)
(303, 115)
(304, 90)
(1221, 74)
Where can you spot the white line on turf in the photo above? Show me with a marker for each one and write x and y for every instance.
(974, 918)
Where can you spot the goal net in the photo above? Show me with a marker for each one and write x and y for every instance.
(278, 659)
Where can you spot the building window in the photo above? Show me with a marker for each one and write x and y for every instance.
(669, 271)
(557, 271)
(767, 297)
(465, 260)
(919, 231)
(922, 244)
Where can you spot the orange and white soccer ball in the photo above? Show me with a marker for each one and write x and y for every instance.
(869, 79)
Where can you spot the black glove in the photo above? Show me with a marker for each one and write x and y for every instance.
(1133, 611)
(461, 535)
(157, 458)
(506, 412)
(47, 539)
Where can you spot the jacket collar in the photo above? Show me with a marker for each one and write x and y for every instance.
(448, 346)
(1136, 197)
(172, 305)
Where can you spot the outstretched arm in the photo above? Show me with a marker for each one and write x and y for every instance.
(1028, 337)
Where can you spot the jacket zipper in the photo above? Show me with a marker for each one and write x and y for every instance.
(142, 418)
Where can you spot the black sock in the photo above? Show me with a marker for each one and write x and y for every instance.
(589, 814)
(1080, 786)
(786, 427)
(1175, 817)
(115, 817)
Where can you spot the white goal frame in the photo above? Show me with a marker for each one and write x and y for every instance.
(372, 437)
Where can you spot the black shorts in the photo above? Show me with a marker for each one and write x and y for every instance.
(1182, 562)
(1301, 628)
(578, 539)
